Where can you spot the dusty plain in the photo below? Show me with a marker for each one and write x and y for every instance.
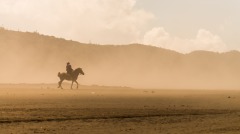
(43, 108)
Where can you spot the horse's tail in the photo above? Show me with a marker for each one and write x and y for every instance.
(59, 74)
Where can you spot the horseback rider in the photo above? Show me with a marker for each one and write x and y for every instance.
(69, 69)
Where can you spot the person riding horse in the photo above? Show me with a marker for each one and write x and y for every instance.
(71, 75)
(69, 69)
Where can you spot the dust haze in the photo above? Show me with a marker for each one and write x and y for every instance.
(126, 89)
(176, 75)
(34, 58)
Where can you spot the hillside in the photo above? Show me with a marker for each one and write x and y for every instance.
(30, 57)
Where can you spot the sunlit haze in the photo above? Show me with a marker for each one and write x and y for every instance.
(119, 66)
(183, 26)
(133, 43)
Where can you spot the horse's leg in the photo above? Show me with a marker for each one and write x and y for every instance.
(60, 84)
(72, 84)
(77, 83)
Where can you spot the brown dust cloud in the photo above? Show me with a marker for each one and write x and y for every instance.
(34, 58)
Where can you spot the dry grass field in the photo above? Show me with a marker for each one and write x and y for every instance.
(42, 108)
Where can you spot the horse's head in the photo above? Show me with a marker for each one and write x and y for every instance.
(79, 70)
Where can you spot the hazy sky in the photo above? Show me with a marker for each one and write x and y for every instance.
(180, 25)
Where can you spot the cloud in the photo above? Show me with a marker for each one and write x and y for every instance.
(99, 21)
(204, 40)
(157, 36)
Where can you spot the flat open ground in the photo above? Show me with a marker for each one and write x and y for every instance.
(43, 108)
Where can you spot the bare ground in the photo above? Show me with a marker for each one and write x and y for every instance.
(42, 108)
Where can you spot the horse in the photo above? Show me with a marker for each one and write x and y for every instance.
(73, 78)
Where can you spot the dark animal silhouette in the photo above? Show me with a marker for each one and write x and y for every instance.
(73, 78)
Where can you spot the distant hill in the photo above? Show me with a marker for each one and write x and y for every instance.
(31, 57)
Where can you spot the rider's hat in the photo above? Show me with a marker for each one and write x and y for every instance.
(68, 63)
